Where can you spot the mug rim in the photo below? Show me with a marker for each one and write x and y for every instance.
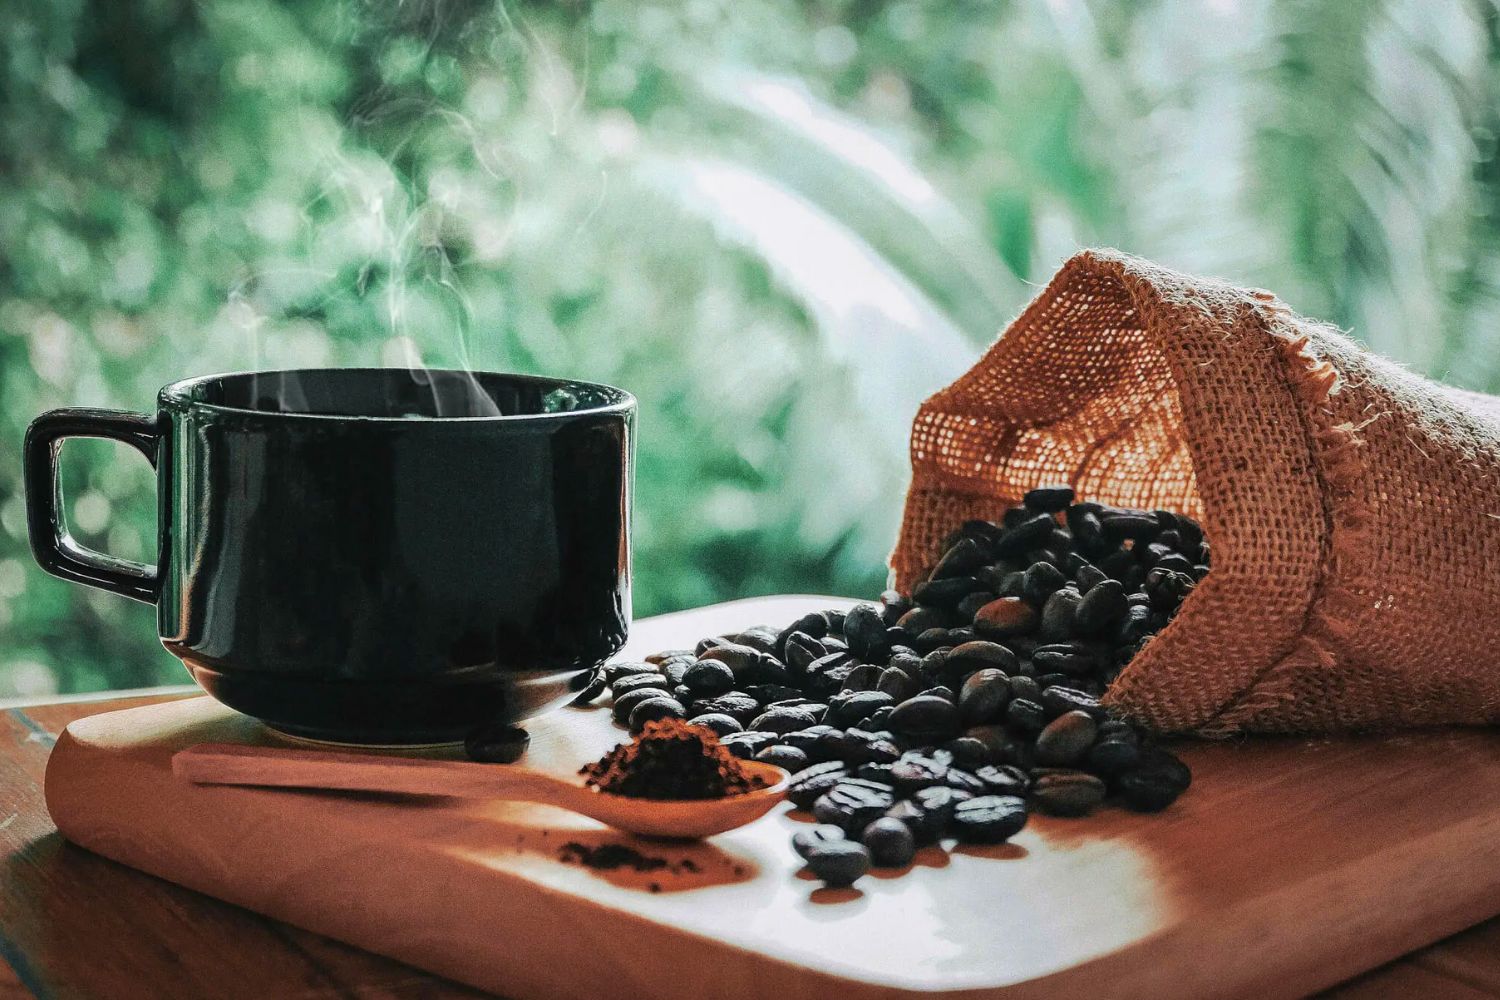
(177, 395)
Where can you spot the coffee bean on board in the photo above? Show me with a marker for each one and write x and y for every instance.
(981, 686)
(838, 862)
(805, 841)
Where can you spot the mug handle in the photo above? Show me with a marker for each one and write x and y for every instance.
(54, 549)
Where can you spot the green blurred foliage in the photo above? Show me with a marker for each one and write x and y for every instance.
(780, 223)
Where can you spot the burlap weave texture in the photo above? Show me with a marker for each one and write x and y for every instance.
(1352, 508)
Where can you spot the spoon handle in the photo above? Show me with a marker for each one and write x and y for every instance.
(279, 767)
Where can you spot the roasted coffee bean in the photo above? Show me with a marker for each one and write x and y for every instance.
(1022, 686)
(768, 695)
(1087, 528)
(1070, 658)
(921, 619)
(1005, 616)
(859, 746)
(864, 677)
(835, 619)
(852, 806)
(927, 716)
(1003, 779)
(815, 741)
(968, 751)
(896, 683)
(1155, 782)
(983, 696)
(838, 863)
(864, 631)
(747, 744)
(1051, 499)
(1057, 614)
(890, 843)
(1167, 588)
(654, 710)
(616, 672)
(1101, 607)
(880, 717)
(878, 773)
(740, 659)
(989, 819)
(946, 592)
(785, 757)
(1041, 580)
(925, 827)
(1111, 756)
(761, 638)
(910, 775)
(855, 708)
(980, 654)
(1120, 523)
(814, 625)
(625, 704)
(964, 781)
(1057, 699)
(783, 720)
(676, 671)
(1066, 739)
(808, 839)
(801, 649)
(1025, 716)
(810, 783)
(497, 744)
(1067, 793)
(940, 800)
(709, 677)
(1088, 577)
(961, 560)
(1003, 747)
(721, 724)
(1025, 535)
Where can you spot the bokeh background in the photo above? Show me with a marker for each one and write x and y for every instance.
(781, 223)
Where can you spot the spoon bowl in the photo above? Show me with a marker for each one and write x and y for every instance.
(279, 767)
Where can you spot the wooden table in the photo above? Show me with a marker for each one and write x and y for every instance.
(73, 924)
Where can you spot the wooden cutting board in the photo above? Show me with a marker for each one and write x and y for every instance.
(1290, 865)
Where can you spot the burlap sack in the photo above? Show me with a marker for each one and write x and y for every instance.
(1352, 508)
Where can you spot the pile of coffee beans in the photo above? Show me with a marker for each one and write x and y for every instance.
(955, 710)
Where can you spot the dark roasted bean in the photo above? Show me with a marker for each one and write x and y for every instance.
(800, 650)
(1003, 748)
(890, 843)
(1005, 616)
(596, 685)
(746, 745)
(982, 653)
(983, 696)
(654, 710)
(626, 703)
(989, 819)
(946, 592)
(961, 560)
(838, 863)
(1025, 687)
(721, 724)
(927, 715)
(970, 605)
(1058, 699)
(1041, 580)
(851, 805)
(1057, 614)
(1066, 739)
(864, 631)
(782, 720)
(964, 781)
(859, 746)
(1025, 535)
(1155, 782)
(1050, 499)
(940, 801)
(1137, 525)
(897, 683)
(1025, 716)
(910, 775)
(969, 751)
(1067, 793)
(785, 757)
(808, 839)
(709, 677)
(809, 784)
(1101, 607)
(1003, 779)
(740, 659)
(1110, 756)
(926, 827)
(864, 677)
(893, 605)
(856, 707)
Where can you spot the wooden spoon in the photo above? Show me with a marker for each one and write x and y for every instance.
(276, 767)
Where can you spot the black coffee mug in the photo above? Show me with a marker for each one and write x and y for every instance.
(371, 555)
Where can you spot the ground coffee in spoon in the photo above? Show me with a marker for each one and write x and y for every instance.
(671, 760)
